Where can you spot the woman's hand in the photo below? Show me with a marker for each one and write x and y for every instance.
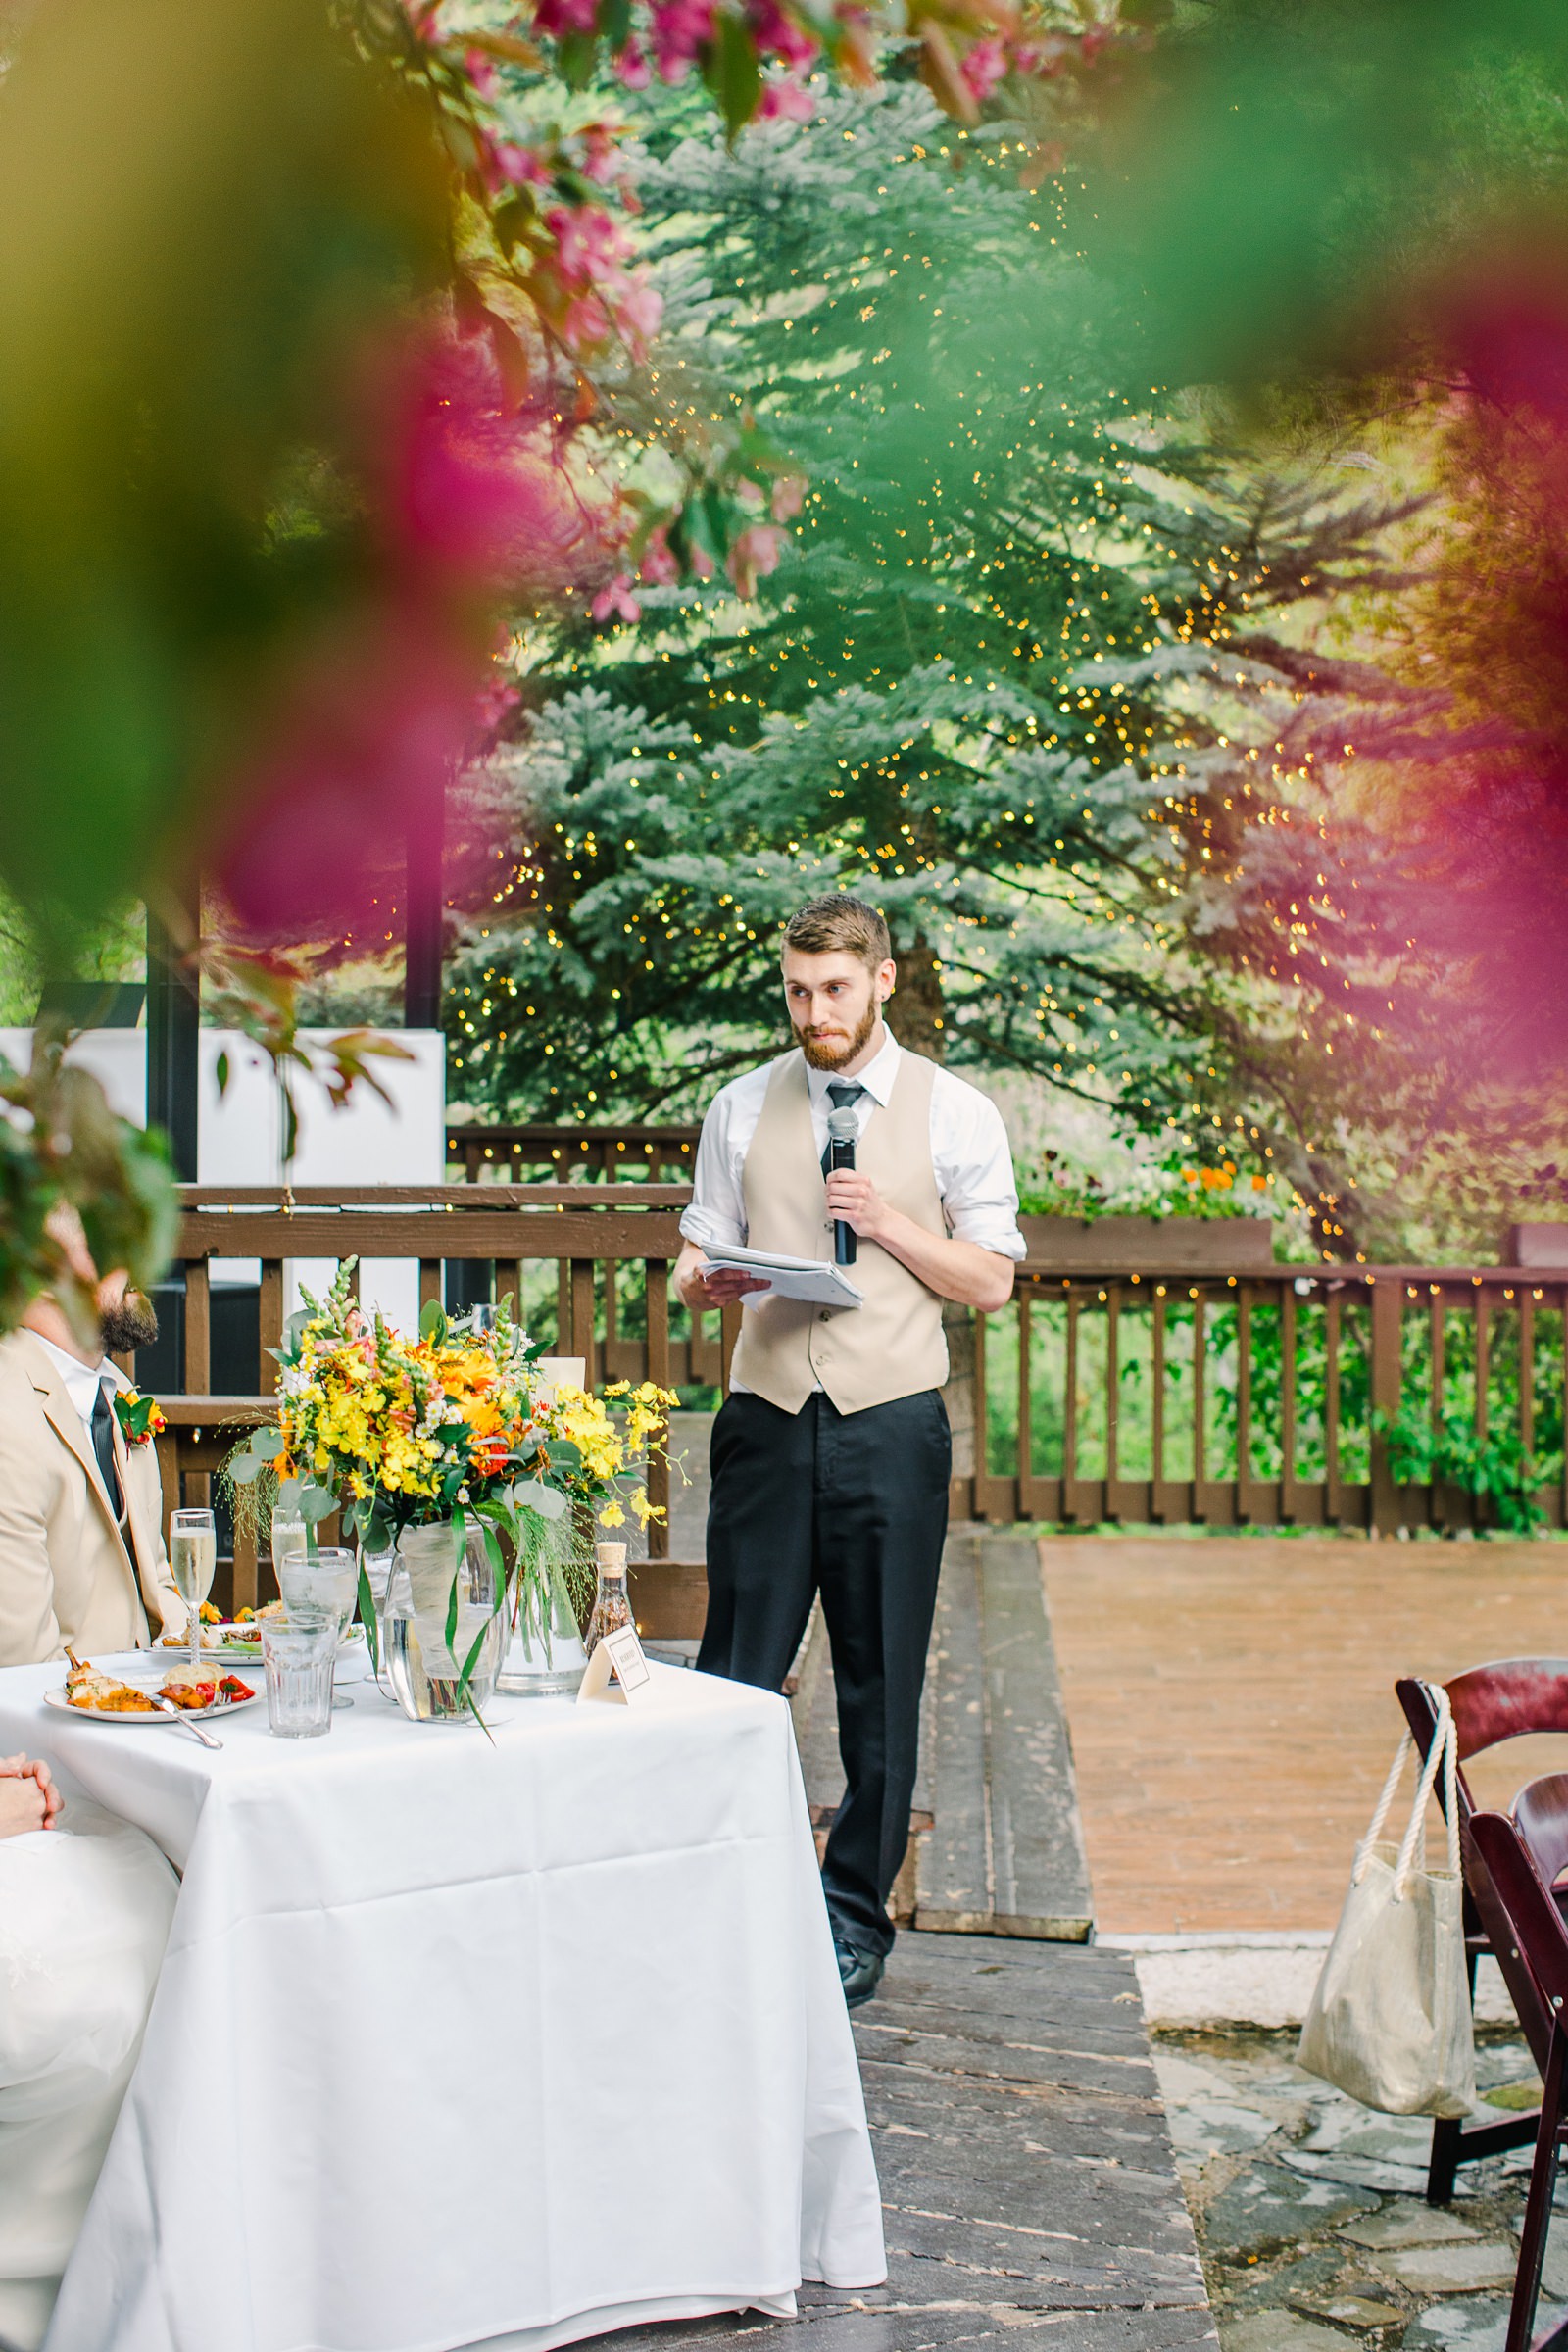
(29, 1796)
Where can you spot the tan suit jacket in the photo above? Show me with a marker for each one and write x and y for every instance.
(66, 1573)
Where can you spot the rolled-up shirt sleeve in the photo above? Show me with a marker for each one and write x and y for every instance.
(974, 1168)
(717, 1211)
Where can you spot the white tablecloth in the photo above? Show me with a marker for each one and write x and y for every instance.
(460, 2044)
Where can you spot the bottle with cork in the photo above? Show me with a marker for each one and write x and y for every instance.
(611, 1603)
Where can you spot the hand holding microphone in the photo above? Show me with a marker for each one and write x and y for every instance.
(843, 1127)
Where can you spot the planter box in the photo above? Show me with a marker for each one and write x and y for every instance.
(1542, 1247)
(1148, 1245)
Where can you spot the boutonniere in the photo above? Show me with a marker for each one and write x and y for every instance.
(139, 1416)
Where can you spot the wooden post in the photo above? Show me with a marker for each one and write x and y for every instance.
(1288, 1401)
(1387, 1303)
(198, 1330)
(1200, 1402)
(655, 1272)
(1333, 1501)
(1157, 1403)
(1112, 1394)
(271, 1322)
(582, 1318)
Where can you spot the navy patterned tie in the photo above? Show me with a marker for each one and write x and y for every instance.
(841, 1092)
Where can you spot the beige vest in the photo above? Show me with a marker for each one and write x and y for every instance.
(863, 1355)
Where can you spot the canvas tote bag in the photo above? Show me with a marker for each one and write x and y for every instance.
(1389, 2021)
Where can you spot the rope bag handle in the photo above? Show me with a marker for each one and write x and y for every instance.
(1443, 1754)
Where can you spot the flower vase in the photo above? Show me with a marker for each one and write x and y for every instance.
(424, 1670)
(544, 1654)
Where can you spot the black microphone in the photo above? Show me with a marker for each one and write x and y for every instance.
(842, 1128)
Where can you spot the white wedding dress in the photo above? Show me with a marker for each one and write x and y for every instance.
(84, 1916)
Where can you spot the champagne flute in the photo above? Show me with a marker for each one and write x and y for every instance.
(193, 1559)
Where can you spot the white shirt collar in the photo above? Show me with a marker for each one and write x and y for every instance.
(82, 1380)
(877, 1077)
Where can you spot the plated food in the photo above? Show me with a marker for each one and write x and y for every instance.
(89, 1690)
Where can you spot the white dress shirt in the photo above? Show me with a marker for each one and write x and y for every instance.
(969, 1151)
(82, 1380)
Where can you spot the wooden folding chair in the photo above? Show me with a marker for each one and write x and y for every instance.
(1509, 1700)
(1523, 1859)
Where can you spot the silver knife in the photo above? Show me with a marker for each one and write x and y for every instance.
(166, 1706)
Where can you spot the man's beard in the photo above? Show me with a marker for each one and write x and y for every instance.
(824, 1056)
(129, 1325)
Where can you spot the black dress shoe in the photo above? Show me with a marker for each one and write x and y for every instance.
(859, 1971)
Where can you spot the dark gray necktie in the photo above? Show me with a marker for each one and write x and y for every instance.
(841, 1092)
(103, 1446)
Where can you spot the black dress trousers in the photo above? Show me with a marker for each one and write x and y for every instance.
(853, 1506)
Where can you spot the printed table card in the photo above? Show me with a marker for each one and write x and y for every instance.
(623, 1652)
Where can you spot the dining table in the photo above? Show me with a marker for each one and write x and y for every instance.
(467, 2036)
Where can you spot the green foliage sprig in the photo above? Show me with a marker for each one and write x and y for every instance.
(1495, 1468)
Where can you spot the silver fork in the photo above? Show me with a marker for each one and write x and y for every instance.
(166, 1706)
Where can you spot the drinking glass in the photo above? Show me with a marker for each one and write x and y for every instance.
(192, 1558)
(329, 1580)
(290, 1539)
(299, 1657)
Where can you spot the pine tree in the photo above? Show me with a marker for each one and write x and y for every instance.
(1020, 610)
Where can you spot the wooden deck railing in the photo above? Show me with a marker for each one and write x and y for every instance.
(1099, 1395)
(510, 1154)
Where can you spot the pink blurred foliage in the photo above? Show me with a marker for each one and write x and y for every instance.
(616, 601)
(369, 718)
(785, 100)
(659, 566)
(754, 554)
(982, 67)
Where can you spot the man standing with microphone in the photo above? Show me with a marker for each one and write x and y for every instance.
(831, 1455)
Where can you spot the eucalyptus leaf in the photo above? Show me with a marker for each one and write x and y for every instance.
(244, 1469)
(289, 1494)
(546, 1502)
(267, 1444)
(316, 1504)
(432, 1321)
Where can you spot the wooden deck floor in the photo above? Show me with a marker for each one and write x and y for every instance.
(1030, 2195)
(1232, 1705)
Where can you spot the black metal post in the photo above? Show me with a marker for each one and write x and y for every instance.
(424, 905)
(174, 1027)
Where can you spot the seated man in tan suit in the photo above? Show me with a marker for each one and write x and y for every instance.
(81, 1549)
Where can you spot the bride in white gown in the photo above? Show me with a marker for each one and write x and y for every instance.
(85, 1906)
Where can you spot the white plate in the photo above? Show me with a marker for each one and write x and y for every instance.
(227, 1706)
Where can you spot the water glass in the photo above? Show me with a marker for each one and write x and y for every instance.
(328, 1579)
(299, 1658)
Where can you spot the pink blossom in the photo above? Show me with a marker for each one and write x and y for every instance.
(523, 167)
(631, 66)
(639, 308)
(660, 567)
(681, 28)
(982, 67)
(588, 242)
(784, 101)
(789, 496)
(754, 554)
(496, 697)
(778, 33)
(554, 18)
(480, 70)
(617, 598)
(702, 563)
(586, 323)
(601, 150)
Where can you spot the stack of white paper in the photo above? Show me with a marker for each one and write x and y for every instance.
(813, 1279)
